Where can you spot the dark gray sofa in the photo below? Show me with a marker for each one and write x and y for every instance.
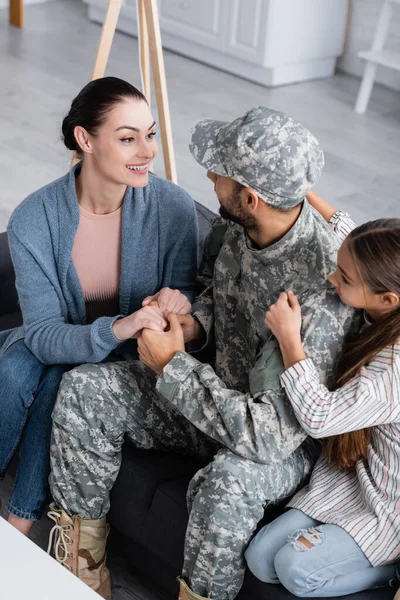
(148, 515)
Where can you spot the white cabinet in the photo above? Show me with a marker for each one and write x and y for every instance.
(199, 22)
(272, 42)
(247, 30)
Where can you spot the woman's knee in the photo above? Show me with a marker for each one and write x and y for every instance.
(20, 374)
(46, 394)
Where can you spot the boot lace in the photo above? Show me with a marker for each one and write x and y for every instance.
(59, 537)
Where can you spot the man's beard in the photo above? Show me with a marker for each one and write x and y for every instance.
(248, 223)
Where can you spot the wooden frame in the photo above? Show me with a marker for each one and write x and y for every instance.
(16, 13)
(150, 46)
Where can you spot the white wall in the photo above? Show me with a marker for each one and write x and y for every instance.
(363, 20)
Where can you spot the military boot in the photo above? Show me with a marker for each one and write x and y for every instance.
(80, 546)
(185, 593)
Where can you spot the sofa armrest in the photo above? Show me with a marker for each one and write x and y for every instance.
(8, 293)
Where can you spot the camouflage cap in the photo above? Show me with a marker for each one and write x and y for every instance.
(265, 150)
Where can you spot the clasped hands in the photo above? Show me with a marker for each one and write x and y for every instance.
(162, 327)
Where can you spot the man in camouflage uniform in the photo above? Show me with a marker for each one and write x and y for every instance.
(235, 413)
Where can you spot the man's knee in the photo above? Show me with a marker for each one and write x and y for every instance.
(78, 390)
(228, 490)
(81, 376)
(234, 474)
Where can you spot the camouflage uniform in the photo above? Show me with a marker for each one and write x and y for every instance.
(234, 412)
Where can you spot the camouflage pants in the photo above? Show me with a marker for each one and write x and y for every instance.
(98, 405)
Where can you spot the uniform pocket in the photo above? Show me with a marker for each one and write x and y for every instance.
(267, 371)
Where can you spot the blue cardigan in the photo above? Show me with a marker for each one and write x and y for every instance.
(159, 249)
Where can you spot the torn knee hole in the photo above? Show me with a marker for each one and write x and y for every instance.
(306, 539)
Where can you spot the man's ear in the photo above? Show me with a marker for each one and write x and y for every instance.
(250, 199)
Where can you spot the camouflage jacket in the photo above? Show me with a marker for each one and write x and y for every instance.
(241, 402)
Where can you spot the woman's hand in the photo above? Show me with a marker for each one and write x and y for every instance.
(170, 301)
(148, 317)
(284, 320)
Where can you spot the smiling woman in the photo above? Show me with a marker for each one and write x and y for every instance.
(110, 127)
(90, 251)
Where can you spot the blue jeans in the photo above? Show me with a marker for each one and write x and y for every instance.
(28, 391)
(334, 565)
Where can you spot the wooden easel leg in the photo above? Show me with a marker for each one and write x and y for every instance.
(106, 38)
(144, 50)
(16, 13)
(160, 85)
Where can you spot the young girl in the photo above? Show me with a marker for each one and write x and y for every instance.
(342, 534)
(88, 250)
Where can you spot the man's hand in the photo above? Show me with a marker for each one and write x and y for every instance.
(192, 329)
(170, 301)
(157, 349)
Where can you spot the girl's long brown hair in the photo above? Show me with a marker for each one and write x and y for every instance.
(375, 248)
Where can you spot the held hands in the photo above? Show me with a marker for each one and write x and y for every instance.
(152, 315)
(170, 301)
(192, 329)
(284, 318)
(157, 349)
(149, 317)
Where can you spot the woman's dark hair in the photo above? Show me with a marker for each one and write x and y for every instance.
(375, 248)
(91, 106)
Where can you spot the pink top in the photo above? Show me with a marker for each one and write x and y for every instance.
(97, 258)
